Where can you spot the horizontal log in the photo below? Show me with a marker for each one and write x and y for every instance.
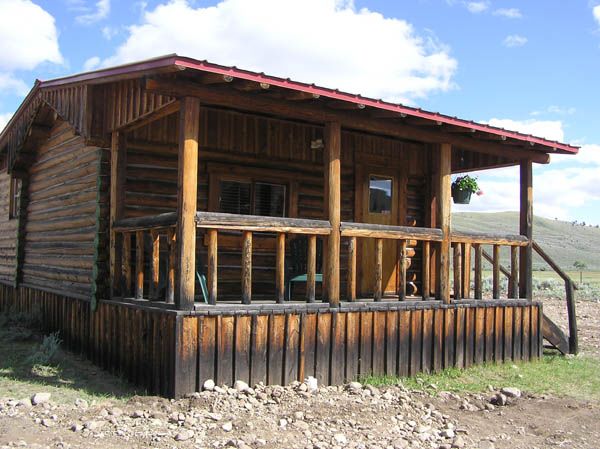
(488, 238)
(221, 221)
(141, 223)
(349, 229)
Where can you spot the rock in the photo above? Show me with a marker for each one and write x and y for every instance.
(76, 428)
(354, 386)
(448, 433)
(81, 403)
(374, 390)
(499, 399)
(486, 444)
(459, 442)
(40, 398)
(184, 435)
(402, 444)
(25, 402)
(283, 423)
(227, 427)
(137, 414)
(312, 384)
(240, 386)
(340, 439)
(208, 385)
(445, 446)
(511, 392)
(46, 422)
(116, 411)
(93, 425)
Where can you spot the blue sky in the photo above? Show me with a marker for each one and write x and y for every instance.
(532, 66)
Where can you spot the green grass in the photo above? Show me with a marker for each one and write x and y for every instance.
(67, 376)
(568, 377)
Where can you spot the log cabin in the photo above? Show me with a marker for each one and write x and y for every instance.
(177, 220)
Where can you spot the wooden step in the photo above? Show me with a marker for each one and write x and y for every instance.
(555, 335)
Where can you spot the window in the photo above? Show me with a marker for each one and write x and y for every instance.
(15, 192)
(380, 195)
(252, 198)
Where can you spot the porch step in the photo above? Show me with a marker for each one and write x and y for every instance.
(555, 335)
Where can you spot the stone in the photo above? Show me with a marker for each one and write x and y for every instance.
(227, 427)
(283, 423)
(115, 411)
(402, 444)
(486, 444)
(448, 433)
(240, 386)
(208, 385)
(459, 442)
(184, 435)
(511, 392)
(46, 422)
(40, 398)
(354, 386)
(499, 399)
(340, 439)
(312, 384)
(81, 403)
(76, 428)
(93, 425)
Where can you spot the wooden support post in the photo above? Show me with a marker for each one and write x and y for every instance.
(172, 246)
(573, 339)
(378, 291)
(457, 259)
(333, 141)
(496, 273)
(351, 284)
(189, 124)
(478, 272)
(126, 264)
(514, 272)
(280, 272)
(311, 268)
(526, 229)
(212, 271)
(466, 271)
(155, 264)
(139, 264)
(118, 156)
(403, 261)
(247, 268)
(443, 220)
(425, 284)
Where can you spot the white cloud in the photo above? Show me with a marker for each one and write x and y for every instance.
(4, 118)
(101, 11)
(328, 42)
(10, 84)
(556, 110)
(24, 47)
(477, 7)
(91, 63)
(596, 12)
(109, 32)
(514, 40)
(509, 13)
(548, 129)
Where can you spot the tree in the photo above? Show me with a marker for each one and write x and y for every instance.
(579, 265)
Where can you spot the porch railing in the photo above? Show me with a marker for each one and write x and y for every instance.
(146, 255)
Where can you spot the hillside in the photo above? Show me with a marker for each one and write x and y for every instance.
(565, 242)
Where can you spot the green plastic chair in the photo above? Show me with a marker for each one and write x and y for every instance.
(201, 277)
(298, 263)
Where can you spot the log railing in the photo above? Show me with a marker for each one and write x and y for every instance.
(468, 245)
(249, 224)
(130, 282)
(405, 236)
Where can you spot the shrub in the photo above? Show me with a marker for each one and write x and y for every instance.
(47, 351)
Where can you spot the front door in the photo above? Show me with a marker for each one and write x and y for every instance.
(378, 187)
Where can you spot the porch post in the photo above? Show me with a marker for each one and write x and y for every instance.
(331, 158)
(443, 220)
(526, 229)
(118, 162)
(187, 183)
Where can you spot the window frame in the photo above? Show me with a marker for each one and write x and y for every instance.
(392, 187)
(14, 200)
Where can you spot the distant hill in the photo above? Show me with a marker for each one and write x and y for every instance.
(563, 241)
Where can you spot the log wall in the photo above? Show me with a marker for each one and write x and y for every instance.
(8, 232)
(172, 353)
(62, 214)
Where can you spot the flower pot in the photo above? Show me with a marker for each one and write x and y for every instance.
(461, 196)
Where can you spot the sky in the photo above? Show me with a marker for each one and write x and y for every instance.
(531, 66)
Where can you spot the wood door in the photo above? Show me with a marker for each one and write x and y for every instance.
(378, 191)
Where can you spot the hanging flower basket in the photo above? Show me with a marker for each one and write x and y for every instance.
(462, 189)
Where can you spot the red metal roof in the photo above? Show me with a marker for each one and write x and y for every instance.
(180, 62)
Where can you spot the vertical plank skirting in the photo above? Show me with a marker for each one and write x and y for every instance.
(172, 354)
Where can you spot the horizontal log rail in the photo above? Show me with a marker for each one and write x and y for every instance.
(256, 223)
(485, 238)
(160, 221)
(350, 229)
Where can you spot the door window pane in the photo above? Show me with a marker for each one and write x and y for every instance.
(380, 195)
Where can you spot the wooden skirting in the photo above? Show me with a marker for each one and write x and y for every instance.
(172, 353)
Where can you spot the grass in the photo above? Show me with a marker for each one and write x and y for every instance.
(63, 374)
(575, 377)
